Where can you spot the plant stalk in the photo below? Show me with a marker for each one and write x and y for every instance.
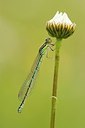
(54, 89)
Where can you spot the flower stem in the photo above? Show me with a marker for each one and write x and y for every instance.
(54, 90)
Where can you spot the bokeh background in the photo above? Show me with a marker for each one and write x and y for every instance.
(22, 31)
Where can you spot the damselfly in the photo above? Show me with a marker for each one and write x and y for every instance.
(28, 84)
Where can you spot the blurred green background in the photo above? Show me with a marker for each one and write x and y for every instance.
(22, 31)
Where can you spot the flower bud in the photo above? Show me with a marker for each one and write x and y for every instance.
(60, 26)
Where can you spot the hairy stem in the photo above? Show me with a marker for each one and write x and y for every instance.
(54, 90)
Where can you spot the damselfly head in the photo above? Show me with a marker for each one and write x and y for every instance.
(48, 41)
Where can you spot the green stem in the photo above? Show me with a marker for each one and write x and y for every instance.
(54, 90)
